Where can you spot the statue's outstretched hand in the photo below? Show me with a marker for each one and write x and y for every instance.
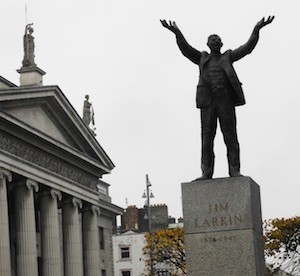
(171, 26)
(260, 24)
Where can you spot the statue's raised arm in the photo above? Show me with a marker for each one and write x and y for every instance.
(260, 24)
(249, 46)
(187, 50)
(171, 26)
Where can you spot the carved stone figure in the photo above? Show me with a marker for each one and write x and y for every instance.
(88, 114)
(28, 42)
(218, 92)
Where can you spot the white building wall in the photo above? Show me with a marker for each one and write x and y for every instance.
(136, 262)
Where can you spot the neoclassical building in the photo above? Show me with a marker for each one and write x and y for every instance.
(56, 215)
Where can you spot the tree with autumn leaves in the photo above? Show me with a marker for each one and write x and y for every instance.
(282, 247)
(282, 244)
(165, 249)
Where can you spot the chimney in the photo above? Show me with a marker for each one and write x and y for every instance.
(131, 218)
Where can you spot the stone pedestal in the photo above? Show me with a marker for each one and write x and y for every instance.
(73, 263)
(51, 259)
(31, 76)
(223, 227)
(91, 246)
(25, 229)
(5, 265)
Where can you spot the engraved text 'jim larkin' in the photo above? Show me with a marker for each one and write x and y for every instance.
(219, 215)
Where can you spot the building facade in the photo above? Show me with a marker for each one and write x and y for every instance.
(128, 254)
(128, 244)
(56, 215)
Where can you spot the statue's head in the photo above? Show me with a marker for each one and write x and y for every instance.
(214, 43)
(87, 97)
(30, 30)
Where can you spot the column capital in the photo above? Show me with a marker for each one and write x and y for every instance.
(92, 208)
(5, 174)
(53, 193)
(28, 183)
(76, 202)
(96, 210)
(31, 183)
(56, 194)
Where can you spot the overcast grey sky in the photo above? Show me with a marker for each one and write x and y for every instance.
(143, 89)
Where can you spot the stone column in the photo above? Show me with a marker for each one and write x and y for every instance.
(91, 248)
(73, 263)
(5, 267)
(25, 228)
(50, 233)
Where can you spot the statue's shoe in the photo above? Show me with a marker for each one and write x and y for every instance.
(203, 177)
(235, 174)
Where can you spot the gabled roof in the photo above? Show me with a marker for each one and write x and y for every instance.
(45, 113)
(4, 83)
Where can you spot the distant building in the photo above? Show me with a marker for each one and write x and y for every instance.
(129, 242)
(128, 254)
(136, 219)
(56, 215)
(129, 259)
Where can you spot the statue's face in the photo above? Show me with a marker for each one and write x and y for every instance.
(214, 43)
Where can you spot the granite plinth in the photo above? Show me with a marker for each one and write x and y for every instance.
(223, 227)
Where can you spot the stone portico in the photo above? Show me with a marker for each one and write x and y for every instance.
(56, 215)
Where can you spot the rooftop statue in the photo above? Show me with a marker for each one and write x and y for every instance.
(88, 112)
(28, 41)
(218, 92)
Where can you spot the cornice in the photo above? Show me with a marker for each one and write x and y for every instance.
(42, 159)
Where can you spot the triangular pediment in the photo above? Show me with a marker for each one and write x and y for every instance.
(46, 114)
(39, 118)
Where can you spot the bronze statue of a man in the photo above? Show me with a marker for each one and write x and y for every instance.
(218, 92)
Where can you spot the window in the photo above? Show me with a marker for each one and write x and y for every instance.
(125, 252)
(126, 273)
(101, 237)
(103, 272)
